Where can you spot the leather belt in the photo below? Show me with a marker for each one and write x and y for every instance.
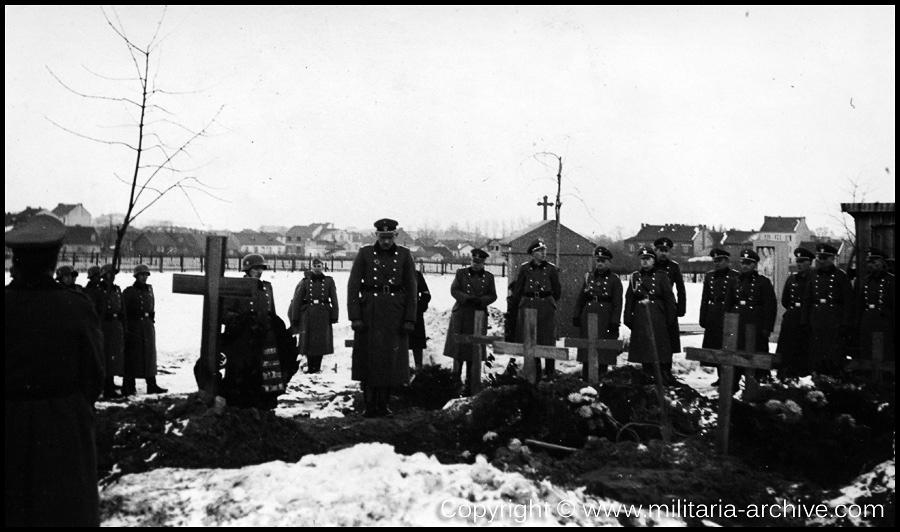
(747, 303)
(538, 294)
(383, 288)
(601, 299)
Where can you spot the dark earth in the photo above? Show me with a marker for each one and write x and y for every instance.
(611, 443)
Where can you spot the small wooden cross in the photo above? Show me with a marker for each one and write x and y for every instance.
(878, 366)
(728, 358)
(213, 286)
(598, 351)
(480, 341)
(545, 204)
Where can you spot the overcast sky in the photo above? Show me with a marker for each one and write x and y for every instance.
(435, 115)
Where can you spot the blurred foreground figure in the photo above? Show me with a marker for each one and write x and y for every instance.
(53, 376)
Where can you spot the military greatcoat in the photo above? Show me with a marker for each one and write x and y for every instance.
(828, 310)
(673, 272)
(600, 295)
(793, 340)
(418, 339)
(107, 298)
(654, 286)
(752, 297)
(537, 286)
(473, 291)
(381, 292)
(716, 284)
(140, 338)
(313, 309)
(53, 374)
(877, 313)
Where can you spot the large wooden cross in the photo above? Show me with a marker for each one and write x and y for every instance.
(598, 351)
(728, 358)
(479, 342)
(213, 286)
(528, 349)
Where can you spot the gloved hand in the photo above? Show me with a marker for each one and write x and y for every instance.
(613, 331)
(681, 314)
(407, 327)
(358, 325)
(576, 321)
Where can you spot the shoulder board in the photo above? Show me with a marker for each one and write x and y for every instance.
(550, 264)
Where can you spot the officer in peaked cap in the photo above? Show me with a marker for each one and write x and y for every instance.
(828, 310)
(752, 297)
(50, 451)
(651, 285)
(473, 289)
(672, 269)
(382, 296)
(537, 286)
(877, 305)
(716, 284)
(793, 339)
(600, 298)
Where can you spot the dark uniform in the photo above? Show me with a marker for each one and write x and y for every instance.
(653, 285)
(381, 301)
(752, 298)
(313, 310)
(473, 290)
(716, 284)
(66, 275)
(600, 296)
(793, 340)
(258, 365)
(828, 311)
(418, 340)
(876, 308)
(140, 338)
(537, 286)
(53, 375)
(107, 298)
(673, 272)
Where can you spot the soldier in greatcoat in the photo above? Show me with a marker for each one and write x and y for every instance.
(876, 307)
(600, 296)
(652, 288)
(53, 374)
(473, 289)
(381, 303)
(537, 286)
(828, 311)
(418, 340)
(313, 310)
(793, 340)
(716, 284)
(663, 246)
(107, 298)
(259, 357)
(753, 298)
(140, 338)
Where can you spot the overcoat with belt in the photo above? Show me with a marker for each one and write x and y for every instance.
(313, 309)
(382, 293)
(473, 291)
(716, 284)
(107, 298)
(651, 285)
(537, 286)
(140, 338)
(793, 339)
(600, 295)
(828, 310)
(752, 297)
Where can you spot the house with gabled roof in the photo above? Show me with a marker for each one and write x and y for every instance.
(13, 219)
(734, 240)
(688, 240)
(262, 243)
(72, 214)
(81, 240)
(790, 229)
(154, 244)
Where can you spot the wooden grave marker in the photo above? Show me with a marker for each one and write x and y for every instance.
(598, 351)
(213, 286)
(480, 342)
(728, 358)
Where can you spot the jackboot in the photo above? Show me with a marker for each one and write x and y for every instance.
(109, 389)
(370, 401)
(128, 386)
(152, 387)
(383, 396)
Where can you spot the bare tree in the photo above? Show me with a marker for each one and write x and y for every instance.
(158, 142)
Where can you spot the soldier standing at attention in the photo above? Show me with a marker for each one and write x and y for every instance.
(649, 286)
(473, 289)
(716, 285)
(381, 303)
(537, 286)
(793, 340)
(673, 271)
(752, 297)
(600, 296)
(828, 311)
(107, 297)
(876, 305)
(53, 375)
(313, 310)
(418, 340)
(140, 339)
(65, 275)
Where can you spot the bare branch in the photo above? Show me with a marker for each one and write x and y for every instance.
(111, 142)
(83, 95)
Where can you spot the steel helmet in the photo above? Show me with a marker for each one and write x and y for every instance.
(251, 260)
(141, 268)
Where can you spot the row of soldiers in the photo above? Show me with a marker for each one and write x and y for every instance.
(127, 320)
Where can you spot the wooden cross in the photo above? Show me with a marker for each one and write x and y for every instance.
(528, 349)
(878, 366)
(480, 342)
(545, 204)
(728, 358)
(213, 286)
(598, 351)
